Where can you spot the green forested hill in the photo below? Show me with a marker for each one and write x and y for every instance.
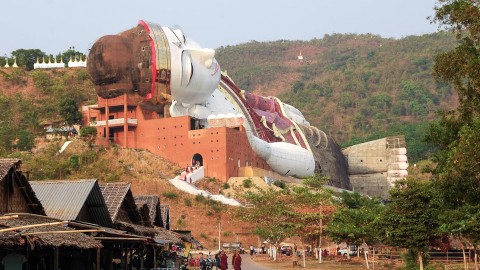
(354, 87)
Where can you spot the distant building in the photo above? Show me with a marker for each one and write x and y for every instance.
(222, 151)
(300, 56)
(59, 133)
(49, 63)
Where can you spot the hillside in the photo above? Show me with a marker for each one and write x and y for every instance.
(351, 86)
(149, 175)
(30, 100)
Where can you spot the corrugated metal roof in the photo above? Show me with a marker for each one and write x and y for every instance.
(64, 199)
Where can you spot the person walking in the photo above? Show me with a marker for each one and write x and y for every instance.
(223, 261)
(252, 250)
(237, 261)
(203, 262)
(217, 260)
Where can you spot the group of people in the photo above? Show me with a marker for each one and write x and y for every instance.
(189, 169)
(220, 261)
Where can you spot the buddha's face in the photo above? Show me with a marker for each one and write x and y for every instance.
(158, 63)
(194, 71)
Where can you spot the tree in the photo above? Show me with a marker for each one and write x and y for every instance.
(26, 140)
(282, 213)
(456, 133)
(69, 111)
(461, 66)
(71, 53)
(298, 86)
(6, 136)
(353, 221)
(272, 213)
(89, 134)
(410, 220)
(311, 200)
(28, 57)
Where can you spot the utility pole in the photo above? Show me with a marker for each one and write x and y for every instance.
(219, 228)
(320, 240)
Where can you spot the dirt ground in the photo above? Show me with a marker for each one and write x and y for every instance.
(339, 263)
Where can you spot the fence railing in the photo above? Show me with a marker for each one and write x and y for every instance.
(459, 266)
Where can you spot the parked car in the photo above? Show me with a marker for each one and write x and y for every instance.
(344, 251)
(285, 249)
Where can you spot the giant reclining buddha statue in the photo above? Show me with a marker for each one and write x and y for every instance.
(175, 76)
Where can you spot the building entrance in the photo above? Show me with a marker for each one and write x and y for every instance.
(197, 159)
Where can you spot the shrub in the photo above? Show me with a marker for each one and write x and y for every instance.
(112, 177)
(187, 201)
(217, 208)
(200, 199)
(170, 195)
(74, 161)
(427, 169)
(88, 132)
(279, 184)
(204, 236)
(247, 183)
(225, 185)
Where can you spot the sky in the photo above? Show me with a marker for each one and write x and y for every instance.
(55, 25)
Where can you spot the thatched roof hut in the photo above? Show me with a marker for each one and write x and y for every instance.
(170, 236)
(149, 206)
(136, 229)
(16, 194)
(165, 215)
(50, 233)
(188, 237)
(120, 203)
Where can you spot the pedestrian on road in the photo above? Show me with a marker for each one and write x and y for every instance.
(237, 261)
(223, 261)
(217, 260)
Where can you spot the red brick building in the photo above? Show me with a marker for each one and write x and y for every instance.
(122, 121)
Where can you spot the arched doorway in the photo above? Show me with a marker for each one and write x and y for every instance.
(197, 158)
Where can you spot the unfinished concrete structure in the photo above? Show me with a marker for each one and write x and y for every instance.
(374, 166)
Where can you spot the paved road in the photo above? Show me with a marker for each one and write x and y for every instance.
(248, 264)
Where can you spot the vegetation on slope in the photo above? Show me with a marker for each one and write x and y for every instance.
(29, 100)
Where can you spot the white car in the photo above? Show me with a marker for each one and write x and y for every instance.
(344, 252)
